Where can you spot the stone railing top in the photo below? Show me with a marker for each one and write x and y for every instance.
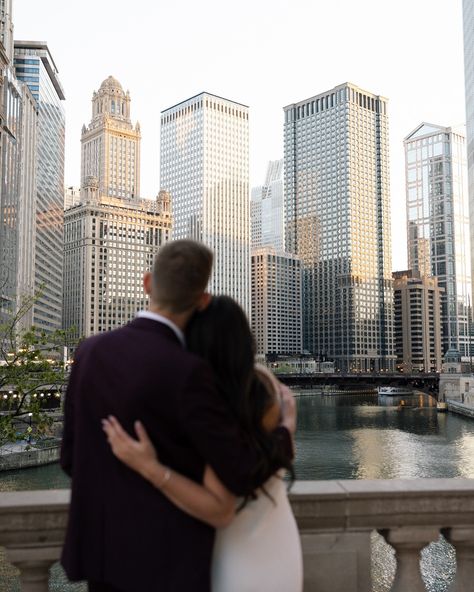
(41, 516)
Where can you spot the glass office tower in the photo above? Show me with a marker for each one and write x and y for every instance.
(338, 222)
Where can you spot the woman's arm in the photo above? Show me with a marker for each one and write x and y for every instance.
(211, 502)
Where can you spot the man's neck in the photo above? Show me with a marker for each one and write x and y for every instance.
(179, 319)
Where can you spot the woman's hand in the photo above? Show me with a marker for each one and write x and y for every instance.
(140, 455)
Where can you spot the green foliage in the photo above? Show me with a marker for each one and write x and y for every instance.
(32, 366)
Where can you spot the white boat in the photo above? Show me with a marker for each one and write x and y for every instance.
(394, 391)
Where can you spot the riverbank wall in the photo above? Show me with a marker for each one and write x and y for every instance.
(34, 457)
(460, 408)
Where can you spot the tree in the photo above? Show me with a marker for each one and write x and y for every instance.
(33, 369)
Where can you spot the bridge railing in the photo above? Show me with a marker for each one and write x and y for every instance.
(335, 519)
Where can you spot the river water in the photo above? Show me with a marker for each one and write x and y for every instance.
(344, 437)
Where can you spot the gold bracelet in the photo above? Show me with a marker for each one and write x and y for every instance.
(166, 478)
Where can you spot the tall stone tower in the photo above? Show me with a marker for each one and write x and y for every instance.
(111, 144)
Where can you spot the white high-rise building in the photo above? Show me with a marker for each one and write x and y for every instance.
(337, 211)
(205, 167)
(438, 224)
(276, 302)
(111, 144)
(468, 18)
(72, 196)
(267, 210)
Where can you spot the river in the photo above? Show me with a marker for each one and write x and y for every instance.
(345, 437)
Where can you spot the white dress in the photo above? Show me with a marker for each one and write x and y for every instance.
(260, 550)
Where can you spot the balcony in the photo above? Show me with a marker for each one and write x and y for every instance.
(336, 520)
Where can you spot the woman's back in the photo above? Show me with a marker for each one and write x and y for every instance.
(260, 551)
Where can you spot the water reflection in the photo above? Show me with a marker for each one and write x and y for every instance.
(370, 437)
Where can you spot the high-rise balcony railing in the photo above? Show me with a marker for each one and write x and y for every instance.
(336, 520)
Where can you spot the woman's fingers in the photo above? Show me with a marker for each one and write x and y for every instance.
(142, 433)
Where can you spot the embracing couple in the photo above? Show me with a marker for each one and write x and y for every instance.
(177, 445)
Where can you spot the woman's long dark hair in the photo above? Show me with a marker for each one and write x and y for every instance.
(221, 335)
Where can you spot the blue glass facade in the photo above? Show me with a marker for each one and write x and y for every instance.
(46, 89)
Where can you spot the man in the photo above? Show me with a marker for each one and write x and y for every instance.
(124, 535)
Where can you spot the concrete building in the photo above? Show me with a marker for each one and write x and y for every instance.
(417, 323)
(276, 302)
(110, 143)
(267, 220)
(438, 224)
(72, 197)
(468, 20)
(35, 67)
(338, 221)
(109, 243)
(205, 167)
(17, 197)
(6, 29)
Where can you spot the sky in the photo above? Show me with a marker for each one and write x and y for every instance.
(263, 53)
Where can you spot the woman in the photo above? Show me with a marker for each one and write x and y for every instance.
(257, 546)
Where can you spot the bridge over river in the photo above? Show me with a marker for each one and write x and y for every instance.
(427, 383)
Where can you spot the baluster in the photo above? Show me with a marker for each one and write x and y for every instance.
(462, 540)
(34, 564)
(408, 541)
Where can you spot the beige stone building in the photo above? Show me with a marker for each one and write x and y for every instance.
(276, 302)
(109, 243)
(111, 144)
(418, 329)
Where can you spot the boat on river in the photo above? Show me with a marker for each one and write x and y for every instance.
(394, 391)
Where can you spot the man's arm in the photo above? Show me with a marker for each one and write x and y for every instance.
(217, 436)
(67, 445)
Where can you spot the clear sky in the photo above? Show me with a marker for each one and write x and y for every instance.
(263, 53)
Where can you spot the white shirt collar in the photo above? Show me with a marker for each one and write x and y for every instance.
(146, 314)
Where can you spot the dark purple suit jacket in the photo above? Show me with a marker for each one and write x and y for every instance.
(122, 530)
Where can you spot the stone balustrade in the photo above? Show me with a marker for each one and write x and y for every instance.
(335, 519)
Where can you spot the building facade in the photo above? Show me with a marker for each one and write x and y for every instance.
(337, 219)
(205, 167)
(109, 244)
(267, 220)
(417, 311)
(17, 199)
(468, 20)
(35, 67)
(276, 302)
(438, 224)
(110, 144)
(72, 197)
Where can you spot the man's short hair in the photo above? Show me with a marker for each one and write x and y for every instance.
(181, 271)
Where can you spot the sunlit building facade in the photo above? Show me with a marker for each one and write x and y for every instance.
(72, 196)
(438, 223)
(417, 322)
(205, 167)
(468, 19)
(109, 244)
(110, 144)
(35, 67)
(276, 302)
(267, 223)
(337, 219)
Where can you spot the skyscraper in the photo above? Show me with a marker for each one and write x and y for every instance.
(205, 167)
(338, 221)
(438, 223)
(35, 66)
(110, 144)
(468, 18)
(267, 224)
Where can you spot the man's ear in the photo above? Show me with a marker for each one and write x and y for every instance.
(204, 301)
(147, 282)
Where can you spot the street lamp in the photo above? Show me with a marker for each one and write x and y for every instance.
(30, 415)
